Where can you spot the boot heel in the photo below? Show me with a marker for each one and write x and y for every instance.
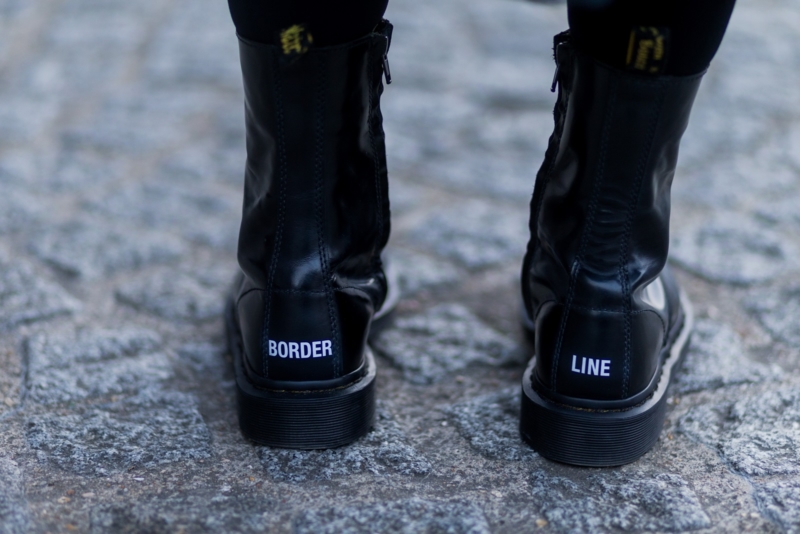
(318, 418)
(597, 437)
(315, 419)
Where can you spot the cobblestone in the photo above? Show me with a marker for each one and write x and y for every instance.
(446, 339)
(718, 358)
(776, 309)
(26, 297)
(384, 451)
(419, 272)
(490, 423)
(780, 500)
(150, 429)
(629, 501)
(122, 153)
(92, 249)
(730, 249)
(191, 297)
(75, 366)
(206, 218)
(413, 515)
(475, 234)
(16, 211)
(758, 435)
(190, 513)
(14, 515)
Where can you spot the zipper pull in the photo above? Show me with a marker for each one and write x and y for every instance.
(555, 79)
(558, 68)
(386, 71)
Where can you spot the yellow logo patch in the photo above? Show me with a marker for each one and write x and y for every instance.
(647, 49)
(296, 40)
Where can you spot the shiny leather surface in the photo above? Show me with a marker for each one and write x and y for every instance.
(316, 208)
(600, 228)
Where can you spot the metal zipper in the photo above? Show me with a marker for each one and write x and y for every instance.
(558, 68)
(386, 71)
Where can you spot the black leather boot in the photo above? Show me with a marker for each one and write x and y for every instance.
(315, 220)
(609, 322)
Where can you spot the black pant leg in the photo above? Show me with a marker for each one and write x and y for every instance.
(330, 22)
(694, 30)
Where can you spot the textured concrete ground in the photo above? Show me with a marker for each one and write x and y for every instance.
(121, 157)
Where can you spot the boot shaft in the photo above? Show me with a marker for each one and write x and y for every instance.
(316, 209)
(600, 227)
(315, 156)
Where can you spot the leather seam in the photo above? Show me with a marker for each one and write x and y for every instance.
(576, 265)
(309, 291)
(608, 310)
(283, 165)
(319, 171)
(550, 158)
(301, 291)
(373, 146)
(625, 242)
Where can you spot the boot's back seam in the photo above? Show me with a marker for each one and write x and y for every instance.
(623, 269)
(319, 178)
(373, 146)
(587, 231)
(282, 179)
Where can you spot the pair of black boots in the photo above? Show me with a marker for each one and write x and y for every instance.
(609, 322)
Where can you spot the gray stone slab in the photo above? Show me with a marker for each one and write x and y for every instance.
(779, 500)
(727, 183)
(384, 451)
(14, 512)
(746, 62)
(79, 171)
(18, 210)
(19, 167)
(135, 125)
(407, 516)
(24, 117)
(186, 296)
(72, 366)
(758, 434)
(128, 117)
(420, 272)
(150, 429)
(718, 358)
(782, 211)
(206, 358)
(490, 423)
(500, 155)
(208, 216)
(177, 57)
(777, 309)
(498, 174)
(404, 195)
(475, 234)
(446, 339)
(632, 500)
(793, 145)
(26, 297)
(189, 512)
(93, 248)
(732, 248)
(743, 78)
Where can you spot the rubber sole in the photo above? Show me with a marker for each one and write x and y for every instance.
(595, 438)
(309, 419)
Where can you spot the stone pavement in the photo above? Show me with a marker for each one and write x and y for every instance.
(121, 162)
